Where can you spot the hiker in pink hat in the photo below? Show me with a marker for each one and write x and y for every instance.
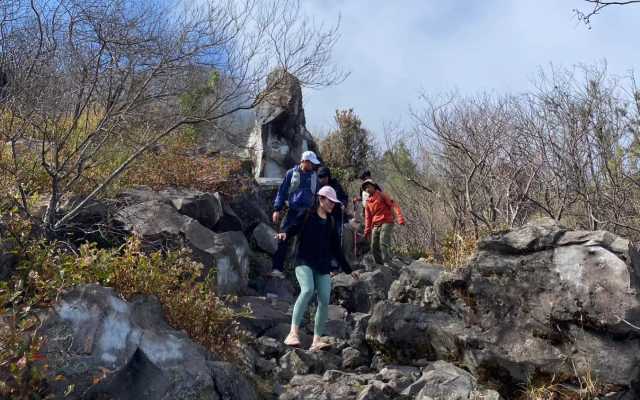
(318, 244)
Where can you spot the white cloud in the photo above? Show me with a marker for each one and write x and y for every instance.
(397, 49)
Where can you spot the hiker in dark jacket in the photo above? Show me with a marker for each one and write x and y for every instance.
(297, 191)
(338, 214)
(318, 244)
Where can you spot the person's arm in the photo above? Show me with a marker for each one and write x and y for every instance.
(394, 206)
(336, 251)
(283, 192)
(297, 225)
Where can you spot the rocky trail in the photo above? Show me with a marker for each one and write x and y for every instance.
(535, 304)
(539, 312)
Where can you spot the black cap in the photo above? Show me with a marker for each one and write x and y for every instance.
(324, 172)
(365, 175)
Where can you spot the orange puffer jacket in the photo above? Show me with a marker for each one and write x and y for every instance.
(379, 210)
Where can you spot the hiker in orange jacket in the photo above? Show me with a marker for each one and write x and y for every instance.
(379, 220)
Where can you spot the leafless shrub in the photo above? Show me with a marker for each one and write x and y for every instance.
(89, 82)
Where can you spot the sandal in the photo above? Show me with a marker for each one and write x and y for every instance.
(321, 345)
(292, 340)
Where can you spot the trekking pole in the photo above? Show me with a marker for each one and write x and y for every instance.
(355, 244)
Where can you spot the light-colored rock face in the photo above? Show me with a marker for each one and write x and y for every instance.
(273, 135)
(105, 346)
(279, 136)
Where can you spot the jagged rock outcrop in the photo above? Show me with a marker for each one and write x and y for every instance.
(109, 348)
(535, 302)
(272, 136)
(280, 135)
(362, 294)
(185, 218)
(416, 284)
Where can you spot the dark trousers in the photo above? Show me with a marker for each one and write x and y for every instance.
(280, 256)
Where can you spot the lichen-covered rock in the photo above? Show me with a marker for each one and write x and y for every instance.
(107, 347)
(414, 279)
(444, 381)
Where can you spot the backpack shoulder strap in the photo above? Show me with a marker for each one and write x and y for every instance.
(314, 183)
(295, 180)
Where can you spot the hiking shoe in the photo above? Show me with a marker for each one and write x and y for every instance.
(277, 274)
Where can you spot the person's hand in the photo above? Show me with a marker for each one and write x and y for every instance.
(281, 236)
(333, 273)
(403, 222)
(275, 217)
(355, 274)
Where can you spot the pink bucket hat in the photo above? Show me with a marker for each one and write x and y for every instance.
(329, 193)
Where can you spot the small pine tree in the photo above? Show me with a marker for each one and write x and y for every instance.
(349, 149)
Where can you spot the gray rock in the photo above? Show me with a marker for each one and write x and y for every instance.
(445, 381)
(398, 377)
(160, 225)
(229, 220)
(265, 314)
(353, 358)
(154, 221)
(280, 135)
(337, 324)
(302, 362)
(410, 286)
(372, 392)
(251, 207)
(203, 207)
(549, 304)
(358, 335)
(527, 239)
(270, 347)
(91, 333)
(138, 194)
(350, 293)
(264, 236)
(405, 332)
(360, 295)
(281, 288)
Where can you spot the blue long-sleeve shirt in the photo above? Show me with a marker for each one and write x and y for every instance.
(299, 199)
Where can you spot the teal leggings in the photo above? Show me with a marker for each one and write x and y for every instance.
(311, 281)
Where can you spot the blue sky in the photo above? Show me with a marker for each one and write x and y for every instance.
(396, 50)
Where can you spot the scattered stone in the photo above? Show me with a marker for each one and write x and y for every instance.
(264, 237)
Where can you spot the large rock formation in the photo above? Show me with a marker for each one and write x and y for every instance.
(186, 218)
(273, 136)
(103, 347)
(535, 303)
(280, 135)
